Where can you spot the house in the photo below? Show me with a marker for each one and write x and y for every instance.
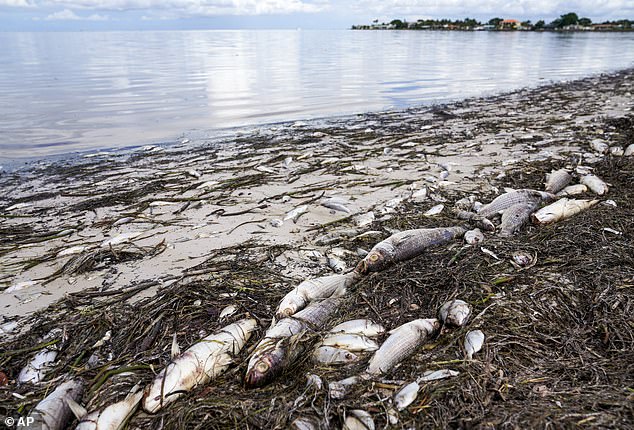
(509, 24)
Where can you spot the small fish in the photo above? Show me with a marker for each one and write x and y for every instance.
(406, 395)
(265, 169)
(194, 173)
(437, 374)
(296, 213)
(53, 412)
(364, 219)
(359, 326)
(561, 209)
(475, 219)
(406, 245)
(112, 417)
(435, 210)
(473, 236)
(336, 264)
(338, 389)
(455, 313)
(506, 200)
(515, 217)
(123, 220)
(280, 345)
(124, 237)
(332, 355)
(557, 180)
(336, 204)
(350, 342)
(572, 190)
(465, 203)
(43, 360)
(312, 289)
(162, 203)
(101, 342)
(306, 423)
(207, 184)
(489, 252)
(617, 151)
(473, 342)
(198, 364)
(629, 150)
(524, 259)
(20, 286)
(18, 206)
(595, 184)
(402, 343)
(227, 312)
(276, 222)
(599, 146)
(358, 419)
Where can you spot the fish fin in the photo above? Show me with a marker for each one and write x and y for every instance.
(176, 350)
(78, 410)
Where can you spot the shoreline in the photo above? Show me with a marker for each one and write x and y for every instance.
(367, 159)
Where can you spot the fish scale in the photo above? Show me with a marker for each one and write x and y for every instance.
(515, 217)
(506, 200)
(557, 180)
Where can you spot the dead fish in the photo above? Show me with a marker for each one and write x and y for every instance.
(455, 313)
(358, 419)
(437, 374)
(312, 289)
(406, 395)
(515, 217)
(465, 203)
(629, 150)
(306, 423)
(595, 184)
(194, 173)
(474, 219)
(162, 203)
(557, 180)
(280, 345)
(227, 312)
(364, 219)
(572, 190)
(599, 146)
(43, 360)
(350, 342)
(435, 210)
(336, 264)
(617, 151)
(71, 251)
(122, 238)
(473, 342)
(207, 184)
(197, 365)
(523, 259)
(473, 236)
(264, 169)
(276, 222)
(561, 209)
(112, 417)
(402, 343)
(53, 412)
(123, 220)
(20, 286)
(506, 200)
(338, 389)
(296, 213)
(336, 204)
(406, 245)
(359, 326)
(332, 355)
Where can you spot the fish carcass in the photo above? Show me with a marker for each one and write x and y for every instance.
(350, 342)
(561, 209)
(280, 345)
(360, 326)
(113, 417)
(53, 412)
(455, 313)
(557, 180)
(332, 355)
(313, 289)
(402, 343)
(197, 365)
(506, 200)
(406, 245)
(595, 184)
(473, 342)
(42, 361)
(572, 190)
(515, 217)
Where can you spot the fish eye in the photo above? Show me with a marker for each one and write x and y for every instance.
(374, 257)
(262, 367)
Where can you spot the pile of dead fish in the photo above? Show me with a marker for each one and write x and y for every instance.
(309, 309)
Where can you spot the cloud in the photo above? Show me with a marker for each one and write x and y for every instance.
(69, 15)
(16, 3)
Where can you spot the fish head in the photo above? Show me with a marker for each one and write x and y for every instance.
(376, 260)
(265, 365)
(289, 305)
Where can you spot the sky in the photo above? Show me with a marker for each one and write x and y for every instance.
(98, 15)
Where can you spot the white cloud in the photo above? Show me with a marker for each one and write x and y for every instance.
(69, 15)
(16, 3)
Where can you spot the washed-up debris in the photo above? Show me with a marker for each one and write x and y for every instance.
(364, 219)
(402, 343)
(276, 222)
(197, 365)
(599, 146)
(473, 342)
(629, 150)
(406, 395)
(524, 259)
(227, 312)
(434, 375)
(561, 209)
(121, 238)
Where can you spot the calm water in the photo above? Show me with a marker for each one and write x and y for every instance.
(62, 92)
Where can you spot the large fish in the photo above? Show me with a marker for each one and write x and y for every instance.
(113, 417)
(54, 413)
(279, 347)
(596, 184)
(515, 217)
(360, 326)
(557, 180)
(506, 200)
(561, 209)
(402, 343)
(405, 245)
(200, 363)
(313, 289)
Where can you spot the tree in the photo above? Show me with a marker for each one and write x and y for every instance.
(539, 25)
(495, 21)
(566, 20)
(586, 22)
(398, 24)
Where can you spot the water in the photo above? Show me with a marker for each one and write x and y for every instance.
(64, 92)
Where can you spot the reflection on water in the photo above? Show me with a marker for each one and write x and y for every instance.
(68, 91)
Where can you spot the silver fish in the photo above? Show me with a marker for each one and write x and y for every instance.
(36, 369)
(455, 313)
(296, 213)
(406, 245)
(359, 326)
(475, 219)
(557, 180)
(572, 190)
(617, 151)
(312, 289)
(473, 342)
(336, 264)
(364, 219)
(279, 347)
(306, 423)
(53, 413)
(350, 342)
(113, 417)
(435, 210)
(599, 146)
(406, 395)
(437, 374)
(506, 200)
(332, 355)
(338, 389)
(595, 184)
(629, 150)
(515, 217)
(402, 343)
(336, 204)
(197, 365)
(358, 419)
(561, 209)
(474, 236)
